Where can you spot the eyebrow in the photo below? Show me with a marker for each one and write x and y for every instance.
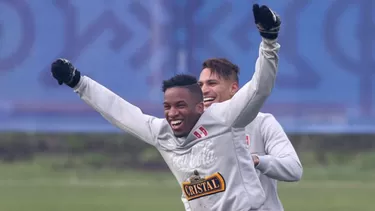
(209, 80)
(181, 101)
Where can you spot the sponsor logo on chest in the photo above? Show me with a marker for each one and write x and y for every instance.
(198, 187)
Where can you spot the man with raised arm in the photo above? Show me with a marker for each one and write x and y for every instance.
(204, 149)
(273, 154)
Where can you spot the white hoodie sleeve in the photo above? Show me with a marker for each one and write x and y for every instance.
(247, 102)
(281, 161)
(118, 111)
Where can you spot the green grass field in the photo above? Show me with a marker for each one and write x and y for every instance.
(35, 187)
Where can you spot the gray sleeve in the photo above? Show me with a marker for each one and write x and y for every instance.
(281, 161)
(247, 102)
(117, 111)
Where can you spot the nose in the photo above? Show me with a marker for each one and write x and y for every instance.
(205, 89)
(173, 112)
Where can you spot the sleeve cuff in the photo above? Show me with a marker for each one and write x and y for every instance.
(79, 85)
(264, 162)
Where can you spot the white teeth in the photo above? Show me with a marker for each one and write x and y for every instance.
(208, 99)
(176, 122)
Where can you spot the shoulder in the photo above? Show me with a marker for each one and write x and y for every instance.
(162, 123)
(265, 118)
(216, 111)
(262, 120)
(217, 108)
(159, 125)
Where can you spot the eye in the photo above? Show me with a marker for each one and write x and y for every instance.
(212, 83)
(181, 105)
(167, 107)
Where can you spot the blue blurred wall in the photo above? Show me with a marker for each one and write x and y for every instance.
(325, 82)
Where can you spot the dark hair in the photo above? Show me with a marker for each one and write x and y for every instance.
(223, 68)
(186, 81)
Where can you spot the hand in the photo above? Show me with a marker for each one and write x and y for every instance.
(64, 72)
(267, 21)
(255, 159)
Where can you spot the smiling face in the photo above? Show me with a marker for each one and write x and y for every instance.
(215, 88)
(182, 110)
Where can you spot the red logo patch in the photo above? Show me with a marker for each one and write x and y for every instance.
(248, 140)
(200, 132)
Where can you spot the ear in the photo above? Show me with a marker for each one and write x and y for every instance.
(234, 88)
(200, 107)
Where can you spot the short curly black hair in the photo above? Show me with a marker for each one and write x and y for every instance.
(186, 81)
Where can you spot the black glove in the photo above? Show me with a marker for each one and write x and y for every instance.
(64, 72)
(267, 21)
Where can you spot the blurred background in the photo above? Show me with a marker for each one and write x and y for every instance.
(58, 154)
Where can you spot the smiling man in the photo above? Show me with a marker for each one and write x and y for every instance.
(218, 80)
(182, 103)
(213, 172)
(273, 153)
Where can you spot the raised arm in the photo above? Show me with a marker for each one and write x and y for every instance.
(247, 102)
(281, 162)
(116, 110)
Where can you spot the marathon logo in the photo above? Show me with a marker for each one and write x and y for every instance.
(198, 187)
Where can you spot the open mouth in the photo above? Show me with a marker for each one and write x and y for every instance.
(208, 99)
(176, 124)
